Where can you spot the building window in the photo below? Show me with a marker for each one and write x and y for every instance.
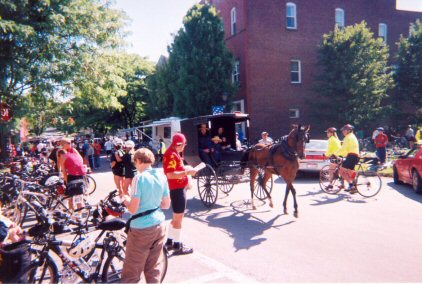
(340, 18)
(167, 132)
(291, 16)
(294, 113)
(233, 15)
(382, 32)
(236, 73)
(295, 71)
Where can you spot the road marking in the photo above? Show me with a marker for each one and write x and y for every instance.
(222, 271)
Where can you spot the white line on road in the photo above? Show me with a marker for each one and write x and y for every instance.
(222, 272)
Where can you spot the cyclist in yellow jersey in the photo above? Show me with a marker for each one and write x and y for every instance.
(334, 145)
(350, 150)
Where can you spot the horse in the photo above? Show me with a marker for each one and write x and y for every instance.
(281, 158)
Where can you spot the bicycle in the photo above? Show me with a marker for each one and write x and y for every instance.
(368, 182)
(90, 184)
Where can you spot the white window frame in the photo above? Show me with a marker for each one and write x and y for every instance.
(236, 72)
(292, 6)
(299, 71)
(233, 18)
(382, 31)
(296, 113)
(339, 13)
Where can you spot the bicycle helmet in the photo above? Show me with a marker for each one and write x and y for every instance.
(380, 128)
(331, 129)
(347, 127)
(51, 181)
(81, 247)
(129, 144)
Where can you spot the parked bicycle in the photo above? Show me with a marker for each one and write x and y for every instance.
(368, 182)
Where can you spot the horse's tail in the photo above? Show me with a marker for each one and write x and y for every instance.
(244, 161)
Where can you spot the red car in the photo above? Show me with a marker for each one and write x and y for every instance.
(408, 169)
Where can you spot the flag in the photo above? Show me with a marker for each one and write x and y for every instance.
(217, 109)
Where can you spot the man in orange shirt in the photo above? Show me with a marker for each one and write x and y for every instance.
(97, 153)
(177, 176)
(381, 144)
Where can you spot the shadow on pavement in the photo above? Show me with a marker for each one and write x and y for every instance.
(242, 226)
(407, 191)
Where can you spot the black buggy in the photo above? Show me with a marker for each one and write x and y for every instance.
(222, 175)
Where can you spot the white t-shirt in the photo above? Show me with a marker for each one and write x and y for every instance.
(108, 145)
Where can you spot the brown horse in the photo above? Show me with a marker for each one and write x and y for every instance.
(281, 158)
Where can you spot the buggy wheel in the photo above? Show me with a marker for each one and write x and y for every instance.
(207, 186)
(330, 187)
(259, 191)
(226, 180)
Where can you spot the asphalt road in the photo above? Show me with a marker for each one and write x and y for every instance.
(340, 238)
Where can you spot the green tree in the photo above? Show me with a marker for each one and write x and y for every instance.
(47, 44)
(354, 77)
(199, 65)
(126, 76)
(409, 75)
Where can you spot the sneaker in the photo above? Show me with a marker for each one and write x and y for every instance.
(181, 249)
(353, 190)
(169, 245)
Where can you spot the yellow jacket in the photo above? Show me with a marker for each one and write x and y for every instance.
(418, 136)
(334, 145)
(350, 146)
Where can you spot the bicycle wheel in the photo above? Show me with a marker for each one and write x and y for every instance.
(45, 273)
(368, 184)
(90, 184)
(330, 187)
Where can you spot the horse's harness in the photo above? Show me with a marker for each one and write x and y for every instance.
(286, 150)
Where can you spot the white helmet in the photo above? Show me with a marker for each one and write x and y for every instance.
(129, 144)
(51, 181)
(81, 247)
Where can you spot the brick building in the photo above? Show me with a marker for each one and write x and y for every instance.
(275, 46)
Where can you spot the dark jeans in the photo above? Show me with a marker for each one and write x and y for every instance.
(205, 157)
(381, 154)
(97, 161)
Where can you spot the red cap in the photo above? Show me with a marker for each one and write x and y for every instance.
(179, 139)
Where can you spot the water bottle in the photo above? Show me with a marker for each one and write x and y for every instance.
(68, 275)
(94, 261)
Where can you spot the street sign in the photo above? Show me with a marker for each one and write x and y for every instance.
(6, 112)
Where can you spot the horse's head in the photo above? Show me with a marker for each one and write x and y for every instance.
(298, 138)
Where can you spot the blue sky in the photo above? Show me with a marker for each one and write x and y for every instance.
(154, 22)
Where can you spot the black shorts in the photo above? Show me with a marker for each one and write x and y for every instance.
(350, 162)
(178, 200)
(118, 172)
(75, 185)
(108, 152)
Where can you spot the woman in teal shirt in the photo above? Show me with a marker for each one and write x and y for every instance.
(146, 235)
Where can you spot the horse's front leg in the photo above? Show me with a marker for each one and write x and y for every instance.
(253, 175)
(296, 212)
(264, 183)
(285, 198)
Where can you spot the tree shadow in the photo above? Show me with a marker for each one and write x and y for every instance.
(407, 191)
(241, 224)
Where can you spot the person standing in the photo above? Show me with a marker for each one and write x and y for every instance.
(108, 146)
(162, 149)
(410, 136)
(145, 239)
(72, 166)
(117, 167)
(381, 144)
(418, 136)
(97, 153)
(90, 155)
(129, 167)
(177, 176)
